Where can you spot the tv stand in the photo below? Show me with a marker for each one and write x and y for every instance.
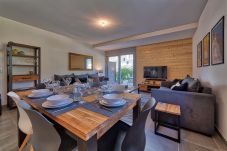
(148, 84)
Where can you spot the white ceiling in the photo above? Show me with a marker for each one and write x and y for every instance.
(76, 18)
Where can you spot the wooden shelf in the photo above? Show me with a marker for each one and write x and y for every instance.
(24, 56)
(22, 89)
(22, 45)
(21, 65)
(24, 78)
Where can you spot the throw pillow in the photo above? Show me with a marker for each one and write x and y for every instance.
(175, 85)
(96, 79)
(60, 77)
(83, 78)
(77, 80)
(193, 84)
(182, 87)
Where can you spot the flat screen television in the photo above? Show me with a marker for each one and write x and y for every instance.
(155, 72)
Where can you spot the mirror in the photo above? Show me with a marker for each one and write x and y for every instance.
(80, 62)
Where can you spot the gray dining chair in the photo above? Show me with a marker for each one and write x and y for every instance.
(134, 139)
(45, 137)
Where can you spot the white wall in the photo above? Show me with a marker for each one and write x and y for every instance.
(54, 50)
(214, 76)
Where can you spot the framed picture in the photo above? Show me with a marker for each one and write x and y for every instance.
(199, 54)
(206, 50)
(217, 43)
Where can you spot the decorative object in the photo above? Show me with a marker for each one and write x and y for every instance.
(15, 51)
(217, 43)
(31, 72)
(199, 54)
(206, 50)
(21, 53)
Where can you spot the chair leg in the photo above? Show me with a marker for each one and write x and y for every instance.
(31, 148)
(24, 142)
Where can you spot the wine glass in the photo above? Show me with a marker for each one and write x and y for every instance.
(55, 85)
(80, 90)
(67, 81)
(46, 82)
(75, 94)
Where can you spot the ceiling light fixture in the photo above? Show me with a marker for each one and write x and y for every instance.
(103, 23)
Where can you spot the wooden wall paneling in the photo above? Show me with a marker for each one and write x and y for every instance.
(177, 55)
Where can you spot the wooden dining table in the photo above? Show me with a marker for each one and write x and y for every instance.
(87, 126)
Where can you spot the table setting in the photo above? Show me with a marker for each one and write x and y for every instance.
(58, 99)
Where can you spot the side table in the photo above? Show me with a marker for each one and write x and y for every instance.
(173, 110)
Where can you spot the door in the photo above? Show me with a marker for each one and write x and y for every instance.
(126, 69)
(113, 69)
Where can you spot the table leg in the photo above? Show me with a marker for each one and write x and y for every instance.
(89, 145)
(136, 111)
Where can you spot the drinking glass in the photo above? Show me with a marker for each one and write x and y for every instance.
(67, 81)
(80, 90)
(75, 94)
(46, 82)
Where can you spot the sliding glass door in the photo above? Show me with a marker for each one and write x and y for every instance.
(113, 69)
(126, 69)
(120, 69)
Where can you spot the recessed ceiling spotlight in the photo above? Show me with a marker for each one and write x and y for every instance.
(103, 23)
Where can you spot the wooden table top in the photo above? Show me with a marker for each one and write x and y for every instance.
(168, 108)
(82, 122)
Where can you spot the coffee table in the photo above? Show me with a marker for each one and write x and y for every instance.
(171, 109)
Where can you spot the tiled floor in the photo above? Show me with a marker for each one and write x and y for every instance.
(190, 141)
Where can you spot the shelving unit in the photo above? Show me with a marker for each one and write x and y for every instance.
(23, 68)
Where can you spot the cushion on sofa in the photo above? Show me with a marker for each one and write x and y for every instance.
(83, 78)
(175, 85)
(181, 87)
(60, 77)
(205, 90)
(193, 84)
(92, 75)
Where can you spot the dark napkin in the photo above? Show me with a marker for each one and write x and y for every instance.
(56, 111)
(107, 111)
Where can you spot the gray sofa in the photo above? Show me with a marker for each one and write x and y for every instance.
(102, 80)
(197, 109)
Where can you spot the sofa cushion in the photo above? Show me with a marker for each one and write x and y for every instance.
(175, 85)
(83, 78)
(60, 77)
(181, 87)
(193, 84)
(92, 75)
(206, 90)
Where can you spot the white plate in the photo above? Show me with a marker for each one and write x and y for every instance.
(46, 104)
(40, 95)
(113, 96)
(119, 103)
(40, 91)
(58, 97)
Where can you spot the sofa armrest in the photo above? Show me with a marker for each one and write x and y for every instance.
(166, 84)
(197, 109)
